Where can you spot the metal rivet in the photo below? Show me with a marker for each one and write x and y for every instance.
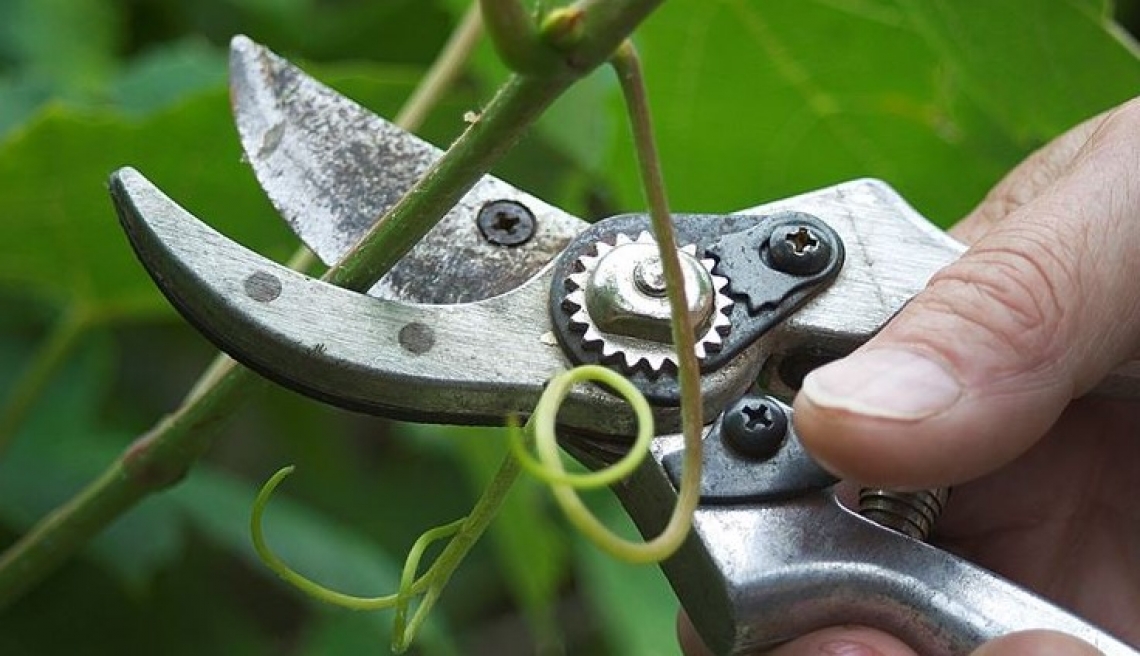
(262, 287)
(417, 338)
(754, 427)
(506, 223)
(797, 249)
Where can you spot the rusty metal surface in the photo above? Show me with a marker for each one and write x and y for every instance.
(331, 168)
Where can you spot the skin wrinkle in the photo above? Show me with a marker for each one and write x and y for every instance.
(1100, 141)
(1033, 283)
(1015, 295)
(1001, 398)
(1108, 250)
(1065, 575)
(944, 325)
(1121, 549)
(1057, 259)
(998, 287)
(1052, 574)
(1060, 582)
(1111, 254)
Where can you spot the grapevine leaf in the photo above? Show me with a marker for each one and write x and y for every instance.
(165, 75)
(61, 240)
(61, 448)
(1029, 69)
(69, 45)
(755, 101)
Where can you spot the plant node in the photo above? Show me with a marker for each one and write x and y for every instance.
(563, 27)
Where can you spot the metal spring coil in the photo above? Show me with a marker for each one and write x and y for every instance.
(909, 513)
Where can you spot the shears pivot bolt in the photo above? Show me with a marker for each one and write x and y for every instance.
(620, 307)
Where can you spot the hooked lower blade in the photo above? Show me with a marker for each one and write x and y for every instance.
(464, 363)
(332, 168)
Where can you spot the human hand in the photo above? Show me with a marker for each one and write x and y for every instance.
(973, 384)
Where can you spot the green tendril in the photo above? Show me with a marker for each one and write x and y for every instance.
(461, 535)
(548, 466)
(312, 588)
(542, 424)
(429, 585)
(402, 631)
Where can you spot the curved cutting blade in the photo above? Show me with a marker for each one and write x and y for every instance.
(331, 168)
(473, 362)
(463, 363)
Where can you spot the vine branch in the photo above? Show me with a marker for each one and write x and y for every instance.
(515, 37)
(521, 100)
(443, 71)
(162, 456)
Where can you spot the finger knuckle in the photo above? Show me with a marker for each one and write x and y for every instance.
(1020, 293)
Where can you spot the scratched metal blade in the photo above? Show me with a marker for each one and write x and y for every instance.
(331, 168)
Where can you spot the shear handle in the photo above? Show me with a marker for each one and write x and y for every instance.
(792, 568)
(766, 568)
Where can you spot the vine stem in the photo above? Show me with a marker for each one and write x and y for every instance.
(443, 71)
(627, 64)
(549, 467)
(163, 455)
(516, 38)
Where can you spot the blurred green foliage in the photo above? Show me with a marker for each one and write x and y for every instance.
(754, 99)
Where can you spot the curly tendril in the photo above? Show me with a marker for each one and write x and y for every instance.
(410, 587)
(627, 65)
(542, 425)
(548, 466)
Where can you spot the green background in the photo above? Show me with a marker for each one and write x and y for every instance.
(753, 100)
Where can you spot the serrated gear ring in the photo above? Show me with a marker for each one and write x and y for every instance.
(618, 304)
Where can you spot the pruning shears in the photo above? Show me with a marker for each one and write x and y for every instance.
(508, 291)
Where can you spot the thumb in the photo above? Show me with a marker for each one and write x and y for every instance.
(979, 365)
